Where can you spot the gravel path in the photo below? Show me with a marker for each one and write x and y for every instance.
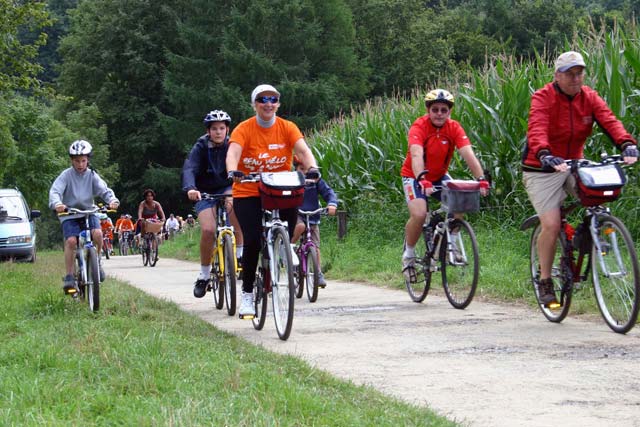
(488, 365)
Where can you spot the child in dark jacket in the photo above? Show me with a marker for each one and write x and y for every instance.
(311, 203)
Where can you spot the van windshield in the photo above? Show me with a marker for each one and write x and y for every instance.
(12, 208)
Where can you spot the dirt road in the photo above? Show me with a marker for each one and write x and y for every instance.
(488, 365)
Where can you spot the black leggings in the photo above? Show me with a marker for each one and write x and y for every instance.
(249, 213)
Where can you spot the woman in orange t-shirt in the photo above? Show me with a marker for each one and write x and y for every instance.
(263, 143)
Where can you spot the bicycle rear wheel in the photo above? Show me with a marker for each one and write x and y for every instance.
(313, 274)
(217, 284)
(460, 264)
(78, 272)
(283, 288)
(419, 289)
(300, 276)
(615, 274)
(229, 277)
(260, 300)
(106, 247)
(93, 279)
(560, 273)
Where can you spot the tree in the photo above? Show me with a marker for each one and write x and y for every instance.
(17, 71)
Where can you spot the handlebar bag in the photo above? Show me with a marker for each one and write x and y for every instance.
(599, 184)
(281, 190)
(459, 196)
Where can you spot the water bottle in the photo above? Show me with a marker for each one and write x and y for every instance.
(83, 237)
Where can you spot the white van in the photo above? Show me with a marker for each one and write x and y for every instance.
(17, 227)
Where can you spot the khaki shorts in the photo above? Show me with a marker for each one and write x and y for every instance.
(548, 190)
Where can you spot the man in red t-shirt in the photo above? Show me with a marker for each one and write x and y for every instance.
(432, 141)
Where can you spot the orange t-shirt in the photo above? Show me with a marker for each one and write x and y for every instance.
(263, 150)
(107, 228)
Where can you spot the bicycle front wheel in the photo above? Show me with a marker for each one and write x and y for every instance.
(313, 274)
(560, 273)
(153, 252)
(217, 285)
(419, 288)
(106, 247)
(229, 274)
(283, 287)
(461, 264)
(93, 279)
(614, 269)
(145, 252)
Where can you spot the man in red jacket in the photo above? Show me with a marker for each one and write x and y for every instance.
(560, 120)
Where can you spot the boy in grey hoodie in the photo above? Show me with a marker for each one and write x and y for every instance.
(76, 187)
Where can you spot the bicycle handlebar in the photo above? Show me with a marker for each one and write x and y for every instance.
(321, 211)
(95, 209)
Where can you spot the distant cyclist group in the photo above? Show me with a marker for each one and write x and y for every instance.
(223, 163)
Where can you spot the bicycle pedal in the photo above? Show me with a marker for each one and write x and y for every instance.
(554, 306)
(72, 291)
(247, 316)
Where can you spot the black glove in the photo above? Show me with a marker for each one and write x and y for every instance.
(548, 162)
(234, 174)
(630, 151)
(313, 173)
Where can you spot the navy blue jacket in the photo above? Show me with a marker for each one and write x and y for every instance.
(311, 203)
(205, 169)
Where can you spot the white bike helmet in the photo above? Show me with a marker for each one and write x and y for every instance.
(216, 116)
(80, 148)
(439, 95)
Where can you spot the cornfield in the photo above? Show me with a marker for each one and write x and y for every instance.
(361, 153)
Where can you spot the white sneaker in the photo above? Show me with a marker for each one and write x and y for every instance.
(294, 256)
(247, 307)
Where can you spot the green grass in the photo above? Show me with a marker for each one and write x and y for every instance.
(141, 361)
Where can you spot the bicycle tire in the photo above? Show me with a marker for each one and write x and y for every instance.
(300, 276)
(217, 285)
(283, 288)
(93, 279)
(615, 274)
(259, 300)
(229, 277)
(153, 252)
(418, 291)
(145, 252)
(560, 273)
(312, 276)
(460, 269)
(105, 248)
(78, 273)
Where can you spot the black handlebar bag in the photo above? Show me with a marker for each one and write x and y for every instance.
(281, 190)
(599, 184)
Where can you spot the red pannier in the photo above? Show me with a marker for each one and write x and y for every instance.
(281, 190)
(599, 184)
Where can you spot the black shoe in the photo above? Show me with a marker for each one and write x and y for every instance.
(546, 292)
(69, 284)
(102, 275)
(200, 288)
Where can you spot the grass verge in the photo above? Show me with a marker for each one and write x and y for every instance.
(141, 361)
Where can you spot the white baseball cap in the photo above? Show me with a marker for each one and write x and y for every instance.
(568, 60)
(262, 88)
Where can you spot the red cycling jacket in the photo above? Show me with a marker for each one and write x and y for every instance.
(438, 145)
(560, 125)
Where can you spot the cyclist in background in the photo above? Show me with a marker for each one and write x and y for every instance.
(123, 224)
(106, 225)
(77, 187)
(310, 203)
(150, 209)
(561, 118)
(432, 140)
(205, 170)
(173, 226)
(263, 143)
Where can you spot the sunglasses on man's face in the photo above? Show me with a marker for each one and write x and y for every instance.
(436, 110)
(265, 99)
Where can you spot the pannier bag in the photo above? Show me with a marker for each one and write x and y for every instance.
(281, 190)
(151, 226)
(599, 184)
(460, 196)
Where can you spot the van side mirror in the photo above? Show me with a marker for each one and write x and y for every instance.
(35, 214)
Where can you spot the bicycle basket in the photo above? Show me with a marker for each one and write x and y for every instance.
(281, 190)
(599, 184)
(460, 196)
(151, 227)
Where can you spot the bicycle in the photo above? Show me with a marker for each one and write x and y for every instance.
(603, 241)
(275, 266)
(87, 263)
(107, 246)
(224, 265)
(124, 242)
(450, 247)
(308, 272)
(149, 246)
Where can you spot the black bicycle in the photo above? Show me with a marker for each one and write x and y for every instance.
(604, 248)
(450, 247)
